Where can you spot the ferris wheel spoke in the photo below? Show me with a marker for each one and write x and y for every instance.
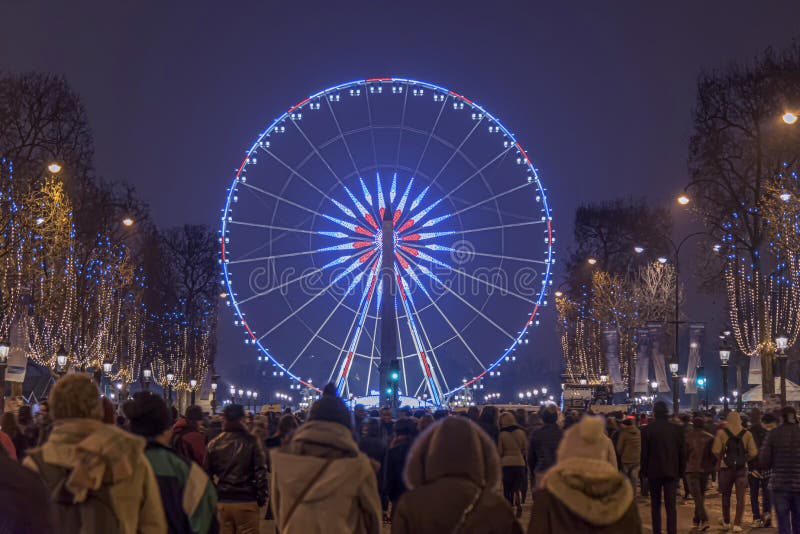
(431, 349)
(317, 152)
(342, 136)
(293, 170)
(374, 344)
(503, 290)
(344, 246)
(284, 200)
(489, 199)
(502, 154)
(459, 297)
(498, 227)
(440, 248)
(457, 150)
(430, 135)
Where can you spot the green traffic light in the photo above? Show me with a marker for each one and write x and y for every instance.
(395, 375)
(388, 391)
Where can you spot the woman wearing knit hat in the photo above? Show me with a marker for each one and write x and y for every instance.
(320, 480)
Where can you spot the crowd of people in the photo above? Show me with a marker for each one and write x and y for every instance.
(82, 465)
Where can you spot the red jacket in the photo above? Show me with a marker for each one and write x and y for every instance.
(186, 431)
(8, 445)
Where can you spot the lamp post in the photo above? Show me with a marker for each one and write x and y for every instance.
(782, 342)
(249, 398)
(676, 401)
(241, 396)
(193, 386)
(147, 374)
(233, 394)
(4, 348)
(255, 397)
(170, 381)
(724, 357)
(61, 361)
(214, 385)
(108, 366)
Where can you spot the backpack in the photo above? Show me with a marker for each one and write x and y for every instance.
(182, 447)
(734, 455)
(94, 514)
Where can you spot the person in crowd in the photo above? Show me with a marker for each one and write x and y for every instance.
(86, 464)
(629, 452)
(544, 444)
(424, 422)
(733, 446)
(287, 425)
(512, 446)
(534, 422)
(583, 494)
(452, 475)
(187, 494)
(489, 422)
(186, 437)
(8, 423)
(27, 425)
(373, 444)
(320, 481)
(44, 423)
(259, 429)
(387, 425)
(393, 484)
(758, 478)
(235, 462)
(474, 413)
(588, 439)
(699, 461)
(780, 453)
(359, 415)
(663, 464)
(25, 505)
(8, 445)
(214, 428)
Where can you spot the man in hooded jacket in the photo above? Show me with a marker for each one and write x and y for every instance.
(453, 476)
(321, 482)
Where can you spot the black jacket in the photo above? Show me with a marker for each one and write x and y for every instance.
(25, 504)
(759, 433)
(237, 460)
(543, 446)
(393, 484)
(663, 450)
(781, 453)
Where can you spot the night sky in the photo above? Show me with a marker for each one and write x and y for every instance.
(599, 93)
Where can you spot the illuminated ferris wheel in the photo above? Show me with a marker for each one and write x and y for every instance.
(302, 239)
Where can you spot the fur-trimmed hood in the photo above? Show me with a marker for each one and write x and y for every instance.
(591, 489)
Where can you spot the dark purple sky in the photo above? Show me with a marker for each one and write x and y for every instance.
(601, 97)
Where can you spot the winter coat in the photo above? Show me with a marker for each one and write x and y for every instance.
(95, 455)
(734, 425)
(512, 443)
(24, 500)
(236, 458)
(587, 439)
(629, 445)
(699, 458)
(543, 446)
(453, 475)
(663, 450)
(781, 453)
(8, 444)
(186, 431)
(393, 484)
(187, 494)
(583, 495)
(325, 483)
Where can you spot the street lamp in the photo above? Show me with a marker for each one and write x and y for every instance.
(54, 168)
(789, 117)
(724, 357)
(127, 220)
(4, 348)
(544, 390)
(673, 368)
(638, 249)
(233, 393)
(214, 385)
(592, 261)
(249, 398)
(147, 374)
(170, 381)
(193, 386)
(61, 361)
(108, 366)
(782, 342)
(255, 397)
(683, 199)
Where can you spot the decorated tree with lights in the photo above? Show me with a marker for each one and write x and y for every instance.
(738, 148)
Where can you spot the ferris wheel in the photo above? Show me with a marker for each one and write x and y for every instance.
(302, 239)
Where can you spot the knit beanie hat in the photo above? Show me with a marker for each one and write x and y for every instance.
(330, 408)
(147, 414)
(660, 410)
(75, 396)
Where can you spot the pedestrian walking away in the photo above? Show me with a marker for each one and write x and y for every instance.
(734, 447)
(629, 450)
(512, 445)
(781, 453)
(699, 462)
